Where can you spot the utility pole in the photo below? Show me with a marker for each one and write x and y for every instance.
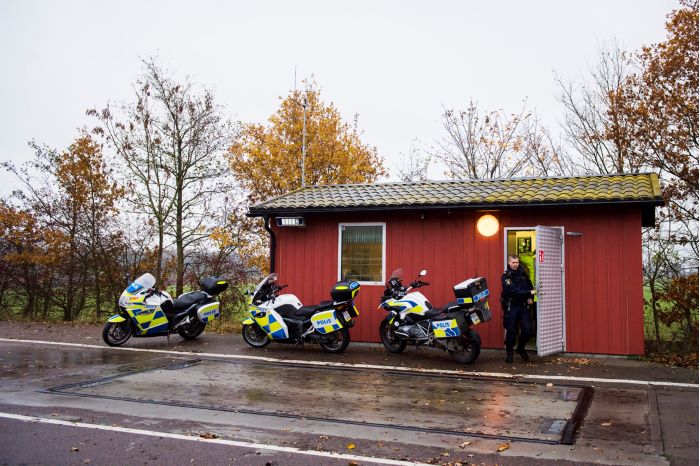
(303, 143)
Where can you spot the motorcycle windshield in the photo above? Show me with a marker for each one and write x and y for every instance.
(145, 281)
(396, 274)
(270, 279)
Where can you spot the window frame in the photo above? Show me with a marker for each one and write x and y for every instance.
(340, 248)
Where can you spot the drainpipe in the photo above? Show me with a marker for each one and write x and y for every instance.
(273, 243)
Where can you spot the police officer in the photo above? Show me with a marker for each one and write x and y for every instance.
(517, 295)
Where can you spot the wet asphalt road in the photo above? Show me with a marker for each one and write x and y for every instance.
(259, 403)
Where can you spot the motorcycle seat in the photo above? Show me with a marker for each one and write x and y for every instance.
(186, 300)
(308, 311)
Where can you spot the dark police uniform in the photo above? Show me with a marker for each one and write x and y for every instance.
(517, 289)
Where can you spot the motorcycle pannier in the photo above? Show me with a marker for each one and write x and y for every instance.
(483, 311)
(344, 291)
(213, 285)
(472, 290)
(209, 311)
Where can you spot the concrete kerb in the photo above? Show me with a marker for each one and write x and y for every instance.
(476, 374)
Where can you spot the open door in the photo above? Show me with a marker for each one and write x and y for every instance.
(549, 281)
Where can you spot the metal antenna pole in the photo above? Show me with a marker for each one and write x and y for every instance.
(303, 144)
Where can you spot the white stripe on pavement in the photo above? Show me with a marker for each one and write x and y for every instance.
(232, 443)
(502, 375)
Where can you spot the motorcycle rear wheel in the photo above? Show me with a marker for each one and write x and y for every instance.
(254, 336)
(470, 351)
(116, 333)
(338, 341)
(192, 330)
(391, 342)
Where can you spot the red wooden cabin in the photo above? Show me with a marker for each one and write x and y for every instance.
(580, 236)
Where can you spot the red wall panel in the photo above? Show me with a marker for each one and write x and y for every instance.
(603, 267)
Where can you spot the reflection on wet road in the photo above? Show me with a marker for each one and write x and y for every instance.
(402, 400)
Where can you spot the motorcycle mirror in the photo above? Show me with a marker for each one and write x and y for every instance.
(423, 273)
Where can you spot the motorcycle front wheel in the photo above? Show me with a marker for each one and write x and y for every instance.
(254, 336)
(192, 330)
(391, 342)
(470, 350)
(336, 342)
(116, 333)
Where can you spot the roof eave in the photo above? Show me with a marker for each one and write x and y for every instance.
(257, 212)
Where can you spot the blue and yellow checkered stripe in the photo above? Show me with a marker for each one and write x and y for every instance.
(474, 299)
(149, 319)
(208, 312)
(274, 327)
(442, 330)
(325, 322)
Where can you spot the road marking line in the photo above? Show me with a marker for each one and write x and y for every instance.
(502, 375)
(232, 443)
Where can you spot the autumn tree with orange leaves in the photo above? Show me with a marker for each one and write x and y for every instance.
(267, 159)
(68, 203)
(660, 105)
(639, 114)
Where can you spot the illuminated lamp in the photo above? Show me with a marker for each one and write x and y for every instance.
(487, 225)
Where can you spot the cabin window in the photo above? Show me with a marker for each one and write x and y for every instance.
(361, 252)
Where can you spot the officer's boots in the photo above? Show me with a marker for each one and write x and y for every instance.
(509, 355)
(523, 354)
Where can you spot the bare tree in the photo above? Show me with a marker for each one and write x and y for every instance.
(545, 156)
(415, 164)
(172, 142)
(497, 145)
(594, 122)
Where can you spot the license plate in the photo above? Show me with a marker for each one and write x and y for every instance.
(475, 319)
(346, 314)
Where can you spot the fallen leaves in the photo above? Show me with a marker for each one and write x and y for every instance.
(464, 444)
(577, 361)
(606, 424)
(687, 360)
(503, 447)
(350, 446)
(208, 435)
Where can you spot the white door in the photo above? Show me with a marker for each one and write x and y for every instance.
(549, 278)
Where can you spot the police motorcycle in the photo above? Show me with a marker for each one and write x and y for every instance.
(283, 319)
(412, 319)
(145, 311)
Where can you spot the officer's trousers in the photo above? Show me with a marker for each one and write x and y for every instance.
(518, 315)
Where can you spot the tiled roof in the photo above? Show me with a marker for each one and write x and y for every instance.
(599, 189)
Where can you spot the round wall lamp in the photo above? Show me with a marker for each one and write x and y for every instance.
(487, 225)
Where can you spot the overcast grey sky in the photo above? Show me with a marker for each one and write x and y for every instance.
(395, 63)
